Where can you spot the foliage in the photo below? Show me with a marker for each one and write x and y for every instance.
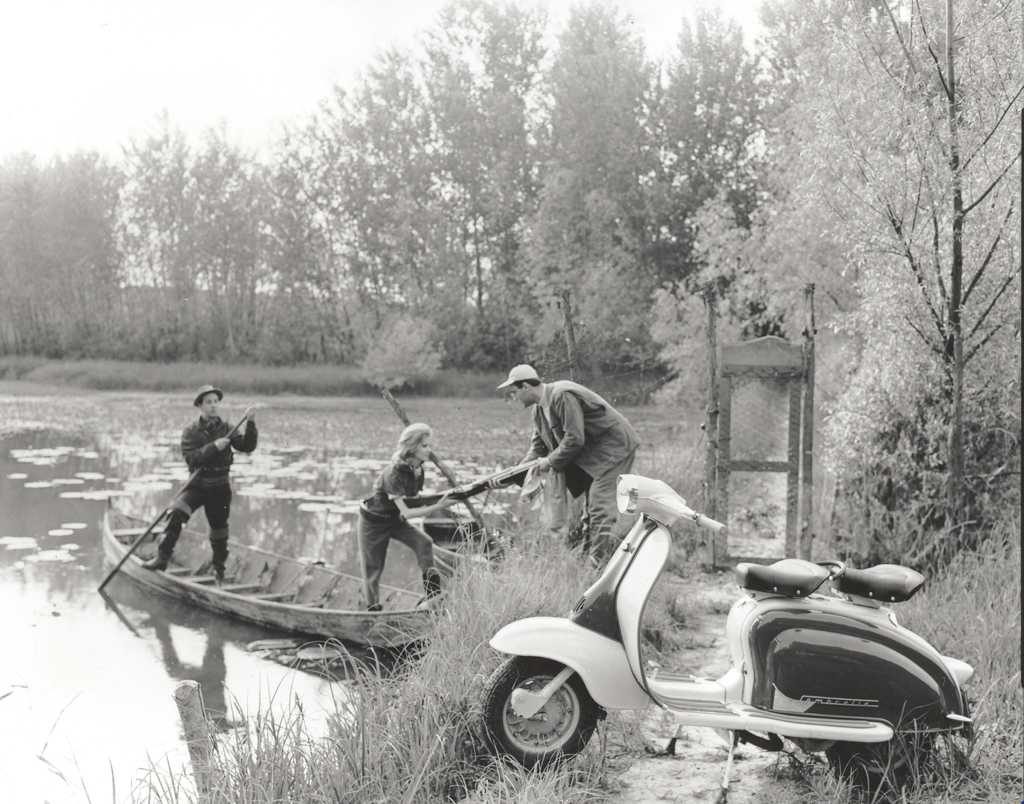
(915, 297)
(401, 352)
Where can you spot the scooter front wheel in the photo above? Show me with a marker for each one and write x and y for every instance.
(560, 730)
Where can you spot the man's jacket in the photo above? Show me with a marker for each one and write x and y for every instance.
(199, 451)
(576, 427)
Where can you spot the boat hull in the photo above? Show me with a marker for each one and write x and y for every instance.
(275, 591)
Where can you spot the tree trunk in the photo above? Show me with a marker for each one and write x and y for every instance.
(570, 335)
(954, 347)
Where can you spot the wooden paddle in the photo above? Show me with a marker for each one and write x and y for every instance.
(449, 475)
(163, 513)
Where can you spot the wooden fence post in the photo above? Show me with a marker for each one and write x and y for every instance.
(189, 698)
(806, 543)
(711, 417)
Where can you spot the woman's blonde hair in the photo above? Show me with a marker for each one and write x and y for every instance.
(410, 439)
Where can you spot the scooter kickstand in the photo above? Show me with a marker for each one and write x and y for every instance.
(723, 793)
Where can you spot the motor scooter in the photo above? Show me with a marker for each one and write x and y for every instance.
(829, 670)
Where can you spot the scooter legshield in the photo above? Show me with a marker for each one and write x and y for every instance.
(598, 660)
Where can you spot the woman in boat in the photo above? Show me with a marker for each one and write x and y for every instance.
(383, 515)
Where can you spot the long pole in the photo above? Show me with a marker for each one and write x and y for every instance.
(161, 515)
(449, 475)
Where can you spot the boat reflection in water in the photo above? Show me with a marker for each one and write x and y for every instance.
(195, 645)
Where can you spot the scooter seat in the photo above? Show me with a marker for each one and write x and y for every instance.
(889, 582)
(792, 577)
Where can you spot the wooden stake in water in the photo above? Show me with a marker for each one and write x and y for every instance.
(189, 698)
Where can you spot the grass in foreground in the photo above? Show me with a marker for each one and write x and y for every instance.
(414, 737)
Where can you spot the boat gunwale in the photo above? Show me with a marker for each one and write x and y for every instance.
(186, 582)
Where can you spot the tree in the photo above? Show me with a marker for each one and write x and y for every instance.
(895, 186)
(589, 236)
(712, 134)
(482, 78)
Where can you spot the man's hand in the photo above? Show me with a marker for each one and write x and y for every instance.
(222, 443)
(250, 414)
(543, 465)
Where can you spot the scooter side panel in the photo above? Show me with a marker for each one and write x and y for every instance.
(598, 660)
(816, 661)
(634, 592)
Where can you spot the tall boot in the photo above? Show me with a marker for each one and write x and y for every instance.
(170, 538)
(219, 545)
(431, 582)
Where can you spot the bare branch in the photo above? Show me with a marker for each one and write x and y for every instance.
(935, 59)
(925, 339)
(899, 37)
(936, 252)
(995, 128)
(992, 186)
(897, 227)
(988, 256)
(992, 303)
(982, 342)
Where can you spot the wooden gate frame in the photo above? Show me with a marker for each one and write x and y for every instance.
(774, 358)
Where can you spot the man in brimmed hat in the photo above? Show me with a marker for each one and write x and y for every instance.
(207, 446)
(581, 435)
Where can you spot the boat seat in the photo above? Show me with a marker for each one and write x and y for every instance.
(207, 580)
(273, 595)
(889, 582)
(792, 577)
(178, 570)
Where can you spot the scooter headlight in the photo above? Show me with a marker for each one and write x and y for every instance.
(627, 497)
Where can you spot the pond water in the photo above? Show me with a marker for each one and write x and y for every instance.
(85, 679)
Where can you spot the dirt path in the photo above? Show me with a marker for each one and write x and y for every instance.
(695, 771)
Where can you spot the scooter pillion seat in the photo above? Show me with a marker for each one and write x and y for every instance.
(792, 577)
(889, 582)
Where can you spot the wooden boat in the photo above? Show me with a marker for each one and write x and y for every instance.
(288, 594)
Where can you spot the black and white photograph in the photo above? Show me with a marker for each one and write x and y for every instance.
(485, 401)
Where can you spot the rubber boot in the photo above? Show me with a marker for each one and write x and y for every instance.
(170, 538)
(219, 545)
(431, 582)
(157, 562)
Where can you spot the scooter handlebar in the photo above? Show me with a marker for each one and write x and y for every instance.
(699, 519)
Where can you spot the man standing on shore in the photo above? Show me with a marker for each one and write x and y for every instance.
(581, 435)
(207, 446)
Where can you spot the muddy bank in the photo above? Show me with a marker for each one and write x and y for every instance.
(643, 772)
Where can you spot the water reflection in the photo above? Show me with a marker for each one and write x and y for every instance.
(118, 657)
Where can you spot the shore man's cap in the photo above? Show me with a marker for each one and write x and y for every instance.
(207, 389)
(518, 374)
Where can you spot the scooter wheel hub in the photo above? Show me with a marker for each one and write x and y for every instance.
(551, 726)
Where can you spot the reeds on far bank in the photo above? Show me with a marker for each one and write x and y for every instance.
(313, 379)
(413, 735)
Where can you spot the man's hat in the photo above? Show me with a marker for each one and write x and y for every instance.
(518, 374)
(207, 389)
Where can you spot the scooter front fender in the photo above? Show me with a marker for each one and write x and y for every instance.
(598, 660)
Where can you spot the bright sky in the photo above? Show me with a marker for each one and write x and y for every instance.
(95, 73)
